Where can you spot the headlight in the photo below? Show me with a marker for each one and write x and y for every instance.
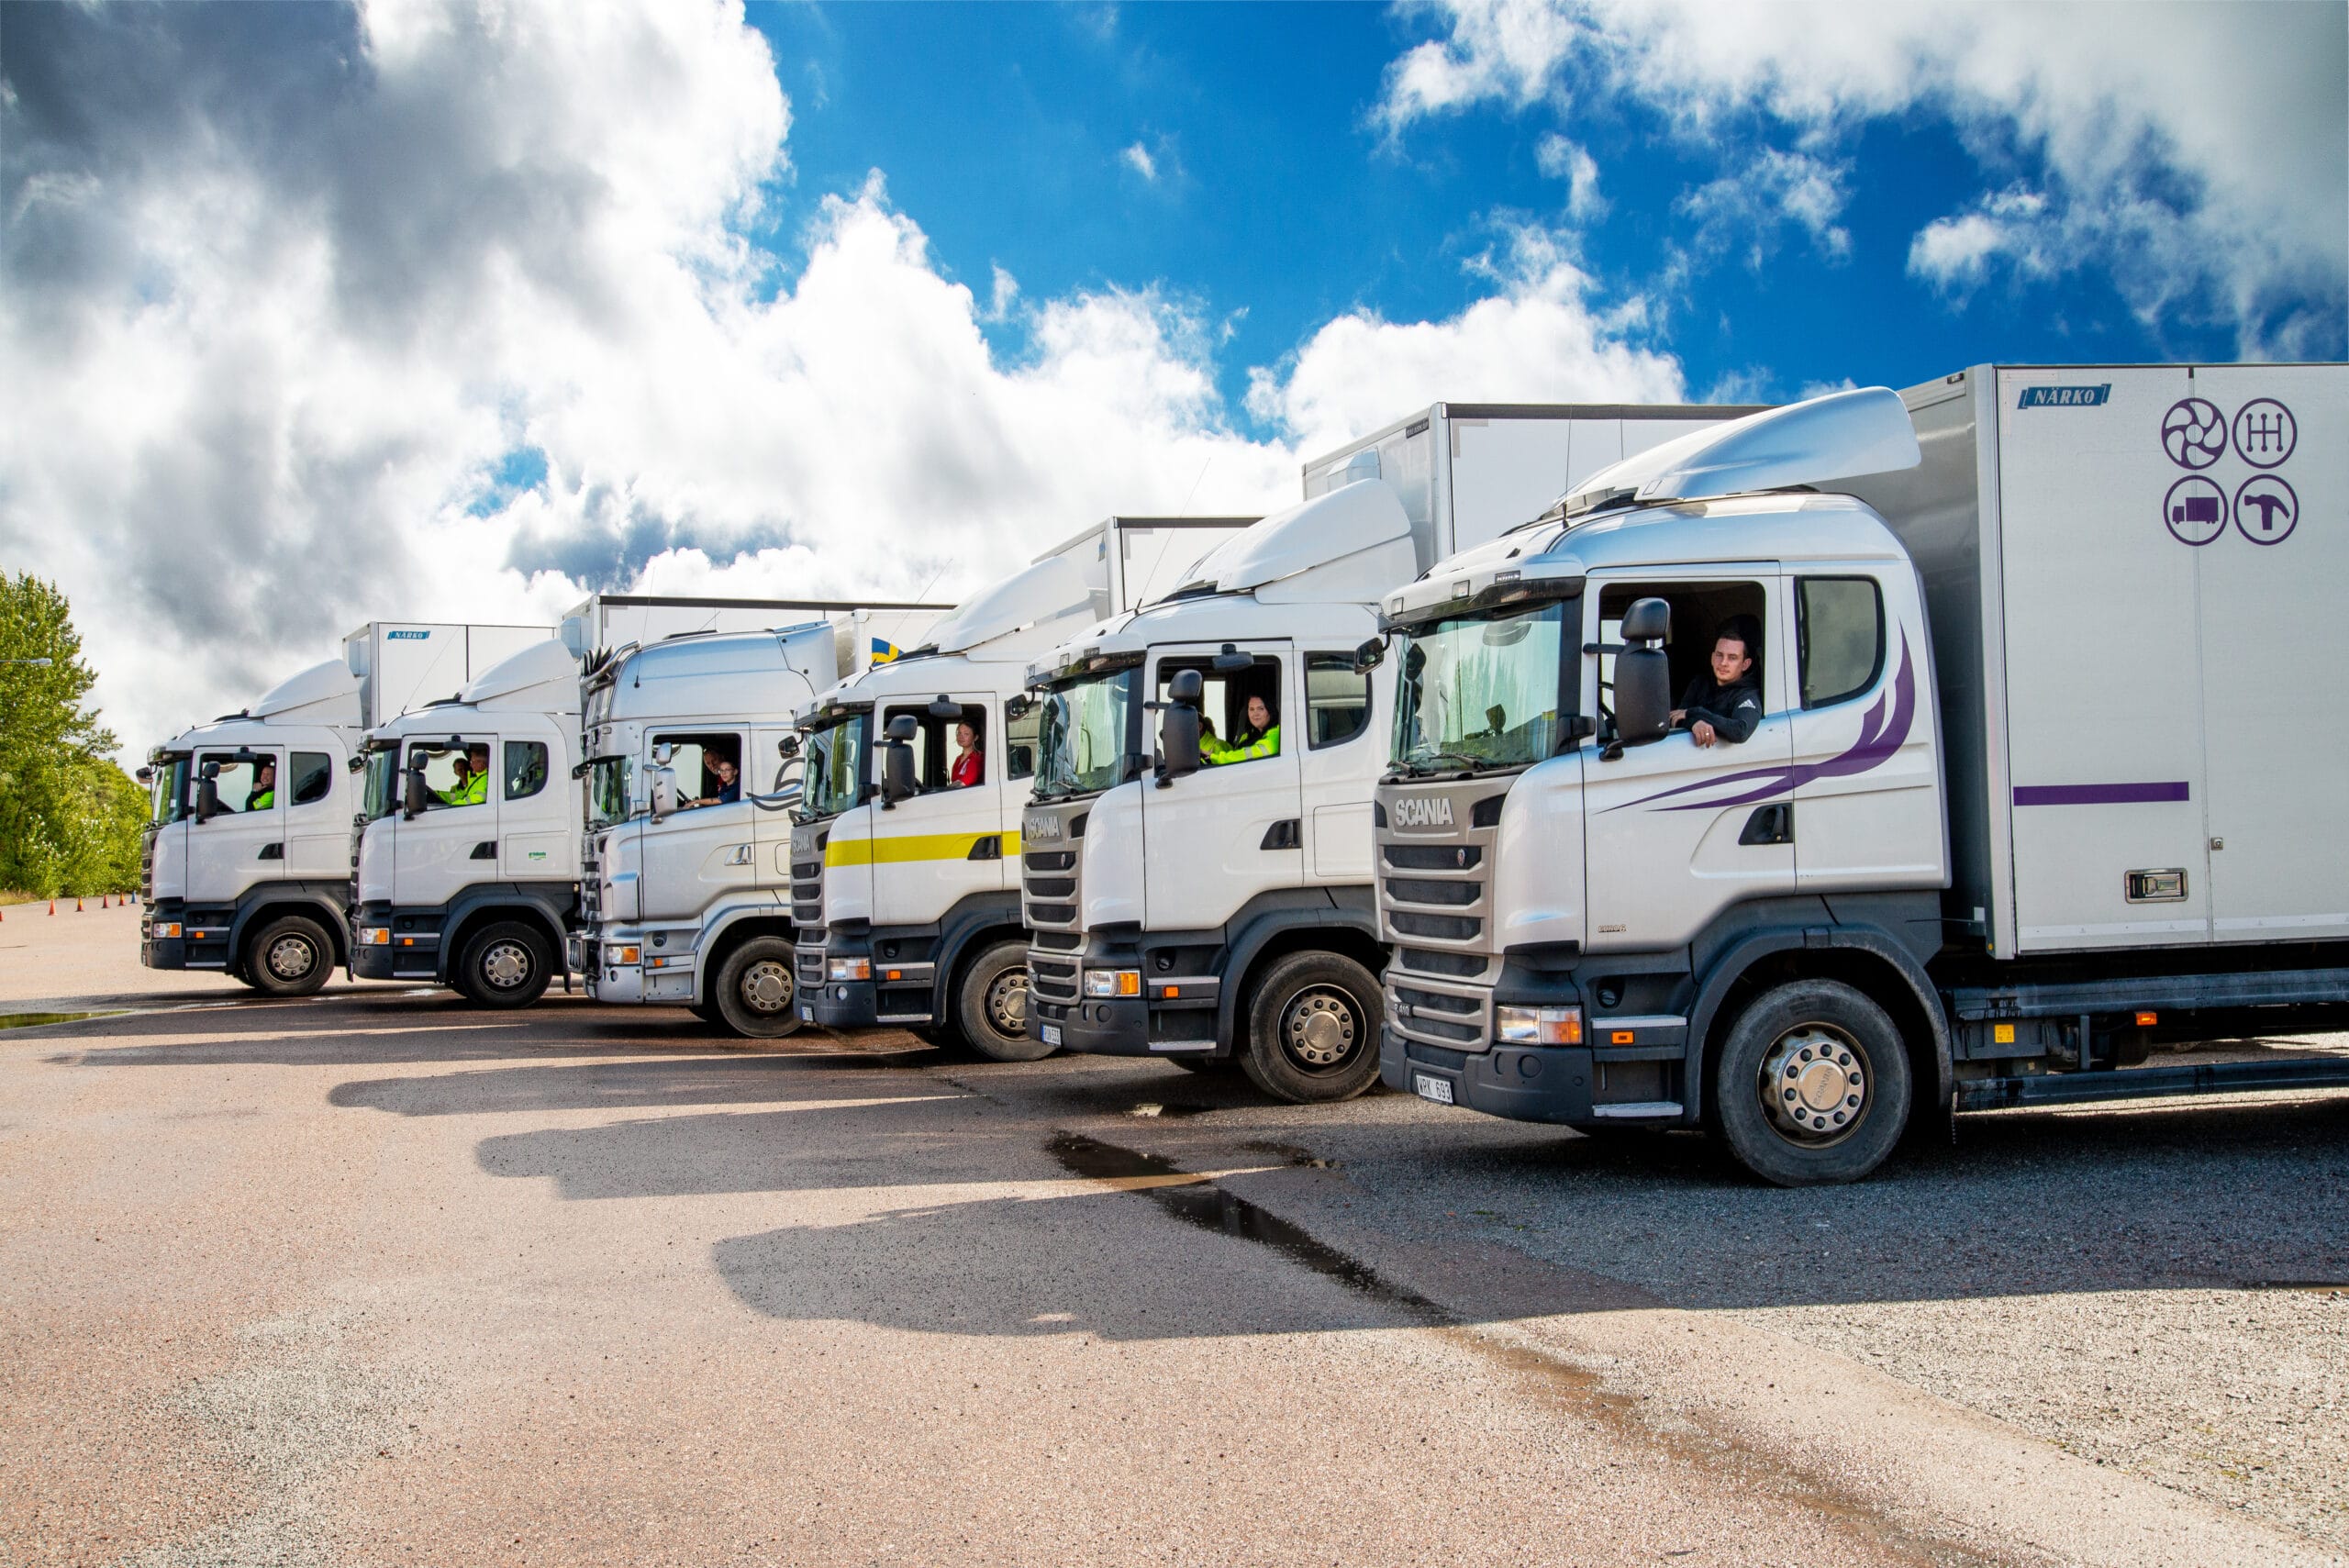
(1539, 1025)
(848, 969)
(1113, 982)
(623, 955)
(169, 929)
(375, 936)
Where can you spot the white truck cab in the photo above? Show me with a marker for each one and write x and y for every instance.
(902, 883)
(242, 864)
(691, 763)
(1198, 881)
(465, 864)
(1965, 833)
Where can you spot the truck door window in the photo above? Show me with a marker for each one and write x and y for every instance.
(1224, 706)
(526, 769)
(313, 777)
(1840, 621)
(1700, 612)
(694, 762)
(234, 783)
(937, 747)
(1337, 701)
(450, 785)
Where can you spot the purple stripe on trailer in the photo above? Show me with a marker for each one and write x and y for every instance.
(2098, 795)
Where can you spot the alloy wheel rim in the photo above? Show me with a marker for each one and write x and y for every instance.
(1320, 1029)
(292, 957)
(1007, 1002)
(767, 986)
(505, 966)
(1816, 1085)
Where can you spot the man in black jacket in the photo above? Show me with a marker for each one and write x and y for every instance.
(1726, 704)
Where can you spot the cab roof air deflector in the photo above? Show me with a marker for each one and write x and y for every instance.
(1840, 436)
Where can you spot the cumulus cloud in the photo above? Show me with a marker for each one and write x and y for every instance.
(1775, 189)
(312, 316)
(2195, 152)
(1562, 160)
(1541, 337)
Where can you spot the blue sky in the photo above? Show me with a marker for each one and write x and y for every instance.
(1281, 200)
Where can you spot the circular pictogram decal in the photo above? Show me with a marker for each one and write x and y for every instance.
(2265, 432)
(2194, 510)
(2266, 509)
(2194, 433)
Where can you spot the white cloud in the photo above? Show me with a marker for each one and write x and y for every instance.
(2195, 150)
(1774, 189)
(1538, 340)
(1137, 158)
(1562, 160)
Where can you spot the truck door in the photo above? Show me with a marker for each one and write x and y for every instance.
(765, 772)
(318, 835)
(704, 849)
(1234, 829)
(1342, 726)
(245, 841)
(1673, 833)
(454, 842)
(945, 843)
(538, 819)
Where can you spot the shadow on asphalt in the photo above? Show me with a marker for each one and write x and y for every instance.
(660, 1083)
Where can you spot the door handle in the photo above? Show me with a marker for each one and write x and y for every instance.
(272, 851)
(987, 846)
(1769, 825)
(486, 850)
(1286, 834)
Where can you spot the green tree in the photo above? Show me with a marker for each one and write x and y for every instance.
(69, 818)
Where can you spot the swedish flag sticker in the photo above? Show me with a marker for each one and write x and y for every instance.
(883, 651)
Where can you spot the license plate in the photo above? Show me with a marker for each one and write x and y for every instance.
(1049, 1033)
(806, 1014)
(1436, 1089)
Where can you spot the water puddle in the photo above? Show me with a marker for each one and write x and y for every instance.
(1209, 1206)
(35, 1020)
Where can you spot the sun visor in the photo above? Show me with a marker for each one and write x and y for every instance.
(1840, 436)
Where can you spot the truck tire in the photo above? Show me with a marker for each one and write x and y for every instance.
(1313, 1026)
(758, 992)
(503, 965)
(991, 1005)
(290, 956)
(1812, 1084)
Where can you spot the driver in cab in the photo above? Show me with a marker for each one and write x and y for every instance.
(1725, 704)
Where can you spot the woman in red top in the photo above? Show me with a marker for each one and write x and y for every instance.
(970, 766)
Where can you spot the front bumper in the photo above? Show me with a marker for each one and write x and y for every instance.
(1522, 1083)
(900, 993)
(1156, 1024)
(203, 942)
(663, 975)
(412, 954)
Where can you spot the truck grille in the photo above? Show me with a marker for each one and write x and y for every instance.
(807, 882)
(1434, 906)
(1048, 879)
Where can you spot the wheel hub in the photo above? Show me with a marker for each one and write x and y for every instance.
(1815, 1085)
(767, 987)
(1008, 1002)
(290, 958)
(1320, 1029)
(505, 966)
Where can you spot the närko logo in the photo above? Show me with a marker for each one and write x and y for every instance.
(2066, 397)
(1422, 811)
(406, 635)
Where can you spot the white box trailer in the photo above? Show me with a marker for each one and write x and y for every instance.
(1467, 472)
(403, 663)
(2130, 613)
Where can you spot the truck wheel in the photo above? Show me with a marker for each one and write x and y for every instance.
(756, 994)
(1811, 1085)
(1313, 1029)
(991, 1005)
(505, 966)
(291, 956)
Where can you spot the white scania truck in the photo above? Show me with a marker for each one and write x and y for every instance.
(2034, 785)
(242, 864)
(902, 886)
(685, 872)
(1204, 914)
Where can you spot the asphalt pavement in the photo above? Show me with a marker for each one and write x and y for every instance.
(377, 1277)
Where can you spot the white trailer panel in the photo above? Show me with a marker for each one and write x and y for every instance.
(403, 663)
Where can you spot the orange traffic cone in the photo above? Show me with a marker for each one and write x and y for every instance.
(52, 905)
(77, 906)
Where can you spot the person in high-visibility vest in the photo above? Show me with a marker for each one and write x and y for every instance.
(265, 793)
(472, 787)
(1262, 738)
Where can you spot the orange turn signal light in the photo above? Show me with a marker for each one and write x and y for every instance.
(2147, 1020)
(1620, 1037)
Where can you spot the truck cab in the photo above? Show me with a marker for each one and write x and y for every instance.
(241, 864)
(464, 860)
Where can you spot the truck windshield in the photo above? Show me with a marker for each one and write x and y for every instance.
(167, 794)
(832, 768)
(607, 786)
(1081, 744)
(381, 795)
(1481, 691)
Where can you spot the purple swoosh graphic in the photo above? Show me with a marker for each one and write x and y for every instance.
(1881, 736)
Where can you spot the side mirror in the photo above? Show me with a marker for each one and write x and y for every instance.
(207, 793)
(665, 787)
(145, 775)
(415, 798)
(787, 747)
(1644, 677)
(1178, 727)
(665, 753)
(1018, 707)
(897, 760)
(1370, 655)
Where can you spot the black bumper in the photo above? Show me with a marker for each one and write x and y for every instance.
(838, 1003)
(202, 944)
(414, 951)
(1117, 1027)
(1548, 1084)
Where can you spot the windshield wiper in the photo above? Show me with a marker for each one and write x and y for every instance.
(1413, 764)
